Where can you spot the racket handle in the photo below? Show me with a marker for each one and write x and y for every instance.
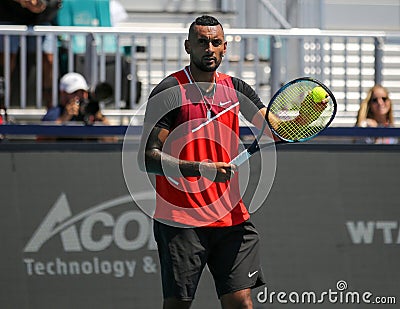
(241, 158)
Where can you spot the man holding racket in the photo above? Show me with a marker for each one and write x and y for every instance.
(191, 133)
(188, 241)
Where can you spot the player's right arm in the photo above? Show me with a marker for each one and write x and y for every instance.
(160, 115)
(158, 162)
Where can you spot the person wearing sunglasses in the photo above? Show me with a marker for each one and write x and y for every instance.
(376, 111)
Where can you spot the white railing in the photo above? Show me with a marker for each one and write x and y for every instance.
(348, 61)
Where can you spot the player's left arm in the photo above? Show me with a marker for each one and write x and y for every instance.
(259, 119)
(257, 112)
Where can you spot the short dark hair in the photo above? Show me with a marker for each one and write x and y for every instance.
(205, 20)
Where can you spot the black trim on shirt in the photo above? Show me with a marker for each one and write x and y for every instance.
(165, 101)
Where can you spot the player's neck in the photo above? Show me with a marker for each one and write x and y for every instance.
(201, 76)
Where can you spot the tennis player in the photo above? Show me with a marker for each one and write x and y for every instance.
(200, 218)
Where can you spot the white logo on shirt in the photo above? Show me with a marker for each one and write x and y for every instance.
(224, 103)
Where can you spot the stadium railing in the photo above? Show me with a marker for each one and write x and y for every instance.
(30, 132)
(349, 62)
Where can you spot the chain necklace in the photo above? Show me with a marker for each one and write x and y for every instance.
(208, 105)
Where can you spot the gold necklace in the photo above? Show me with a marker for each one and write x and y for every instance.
(208, 105)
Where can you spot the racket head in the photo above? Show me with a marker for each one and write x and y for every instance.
(294, 106)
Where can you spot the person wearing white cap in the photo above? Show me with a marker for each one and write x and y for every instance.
(74, 91)
(72, 82)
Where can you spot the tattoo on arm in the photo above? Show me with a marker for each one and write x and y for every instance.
(161, 163)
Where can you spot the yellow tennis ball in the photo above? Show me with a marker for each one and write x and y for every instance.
(318, 94)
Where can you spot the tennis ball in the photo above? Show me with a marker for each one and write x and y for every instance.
(318, 94)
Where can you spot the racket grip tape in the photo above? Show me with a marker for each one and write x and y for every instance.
(241, 158)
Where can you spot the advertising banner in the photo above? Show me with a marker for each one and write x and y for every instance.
(73, 236)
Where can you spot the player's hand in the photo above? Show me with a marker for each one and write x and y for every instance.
(310, 110)
(217, 171)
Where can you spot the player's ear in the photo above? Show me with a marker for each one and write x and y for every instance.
(225, 46)
(187, 46)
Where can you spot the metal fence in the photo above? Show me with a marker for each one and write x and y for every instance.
(134, 60)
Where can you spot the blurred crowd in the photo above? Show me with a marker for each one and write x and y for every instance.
(376, 109)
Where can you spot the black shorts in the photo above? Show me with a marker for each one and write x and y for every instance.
(231, 253)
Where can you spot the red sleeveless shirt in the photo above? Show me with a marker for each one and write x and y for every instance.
(197, 135)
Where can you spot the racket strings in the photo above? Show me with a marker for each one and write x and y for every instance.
(299, 117)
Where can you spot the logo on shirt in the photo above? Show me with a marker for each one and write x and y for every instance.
(225, 103)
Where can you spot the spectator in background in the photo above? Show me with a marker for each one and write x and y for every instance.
(74, 102)
(376, 111)
(3, 109)
(30, 13)
(76, 105)
(3, 114)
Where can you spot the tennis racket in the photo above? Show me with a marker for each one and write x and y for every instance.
(298, 111)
